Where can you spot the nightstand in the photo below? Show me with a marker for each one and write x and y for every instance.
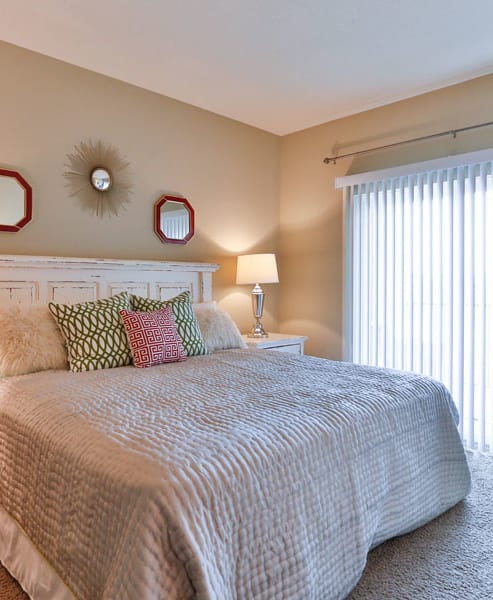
(282, 342)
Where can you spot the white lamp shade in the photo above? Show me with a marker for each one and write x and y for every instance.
(256, 268)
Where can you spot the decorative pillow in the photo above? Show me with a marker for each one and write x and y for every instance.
(186, 322)
(94, 332)
(30, 341)
(219, 330)
(153, 337)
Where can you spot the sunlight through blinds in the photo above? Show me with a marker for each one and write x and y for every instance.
(419, 281)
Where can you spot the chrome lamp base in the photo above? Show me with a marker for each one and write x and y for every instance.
(258, 331)
(258, 308)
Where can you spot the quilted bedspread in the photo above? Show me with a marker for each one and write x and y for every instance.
(239, 475)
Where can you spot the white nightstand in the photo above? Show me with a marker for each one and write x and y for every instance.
(282, 342)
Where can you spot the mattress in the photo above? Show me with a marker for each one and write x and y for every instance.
(241, 474)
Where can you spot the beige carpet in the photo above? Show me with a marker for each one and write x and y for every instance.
(9, 588)
(451, 558)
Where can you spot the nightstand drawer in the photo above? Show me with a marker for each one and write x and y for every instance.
(291, 348)
(281, 342)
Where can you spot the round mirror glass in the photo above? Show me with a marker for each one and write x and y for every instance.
(101, 179)
(15, 201)
(173, 220)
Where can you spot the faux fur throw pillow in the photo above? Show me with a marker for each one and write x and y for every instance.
(30, 341)
(204, 305)
(218, 329)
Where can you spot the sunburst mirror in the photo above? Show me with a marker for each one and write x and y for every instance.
(98, 177)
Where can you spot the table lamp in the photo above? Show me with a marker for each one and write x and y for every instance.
(257, 269)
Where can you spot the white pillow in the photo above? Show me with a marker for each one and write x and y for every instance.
(218, 329)
(204, 306)
(30, 341)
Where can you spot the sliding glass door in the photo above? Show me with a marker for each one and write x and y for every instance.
(419, 280)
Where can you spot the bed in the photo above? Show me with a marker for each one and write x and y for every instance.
(234, 474)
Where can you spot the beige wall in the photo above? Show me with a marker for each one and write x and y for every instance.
(251, 190)
(311, 209)
(228, 171)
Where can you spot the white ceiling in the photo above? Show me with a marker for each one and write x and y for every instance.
(280, 65)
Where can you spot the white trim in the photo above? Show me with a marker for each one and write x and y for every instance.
(446, 162)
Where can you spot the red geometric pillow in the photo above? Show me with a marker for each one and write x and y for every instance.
(153, 337)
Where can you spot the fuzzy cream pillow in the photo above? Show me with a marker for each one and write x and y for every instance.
(30, 341)
(218, 329)
(204, 306)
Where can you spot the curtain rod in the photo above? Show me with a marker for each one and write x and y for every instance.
(453, 132)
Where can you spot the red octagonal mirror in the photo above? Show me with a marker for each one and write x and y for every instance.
(15, 201)
(173, 220)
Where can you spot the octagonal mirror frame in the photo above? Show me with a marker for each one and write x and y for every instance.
(20, 195)
(160, 215)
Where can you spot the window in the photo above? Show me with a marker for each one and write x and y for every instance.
(419, 278)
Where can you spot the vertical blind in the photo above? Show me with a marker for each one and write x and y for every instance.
(419, 282)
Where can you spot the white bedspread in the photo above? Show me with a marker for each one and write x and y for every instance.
(239, 475)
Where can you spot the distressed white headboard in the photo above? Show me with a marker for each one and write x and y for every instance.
(41, 279)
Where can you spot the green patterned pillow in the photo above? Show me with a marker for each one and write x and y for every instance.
(94, 332)
(186, 322)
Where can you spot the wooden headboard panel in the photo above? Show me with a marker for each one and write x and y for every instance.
(42, 279)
